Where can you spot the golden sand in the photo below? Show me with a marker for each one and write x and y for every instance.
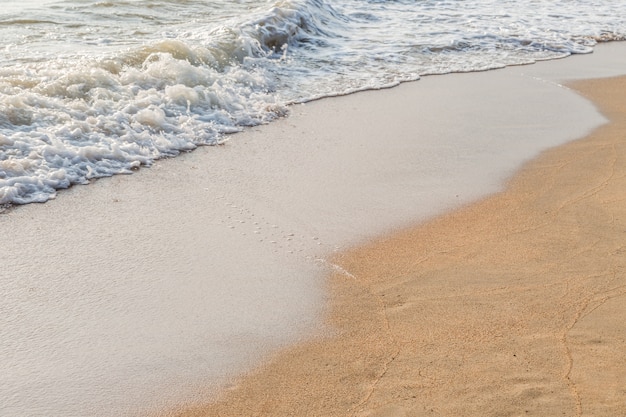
(512, 306)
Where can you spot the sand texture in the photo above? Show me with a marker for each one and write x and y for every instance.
(514, 305)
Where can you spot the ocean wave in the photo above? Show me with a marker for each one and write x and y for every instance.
(64, 123)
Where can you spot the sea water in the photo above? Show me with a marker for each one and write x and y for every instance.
(96, 88)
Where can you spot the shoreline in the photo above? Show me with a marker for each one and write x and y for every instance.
(140, 293)
(508, 306)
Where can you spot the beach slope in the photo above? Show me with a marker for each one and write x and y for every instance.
(513, 305)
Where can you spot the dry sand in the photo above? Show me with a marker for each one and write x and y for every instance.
(514, 305)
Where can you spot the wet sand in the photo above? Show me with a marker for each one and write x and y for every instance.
(513, 305)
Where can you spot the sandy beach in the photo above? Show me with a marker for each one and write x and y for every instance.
(510, 306)
(452, 246)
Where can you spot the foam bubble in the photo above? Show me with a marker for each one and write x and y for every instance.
(151, 116)
(182, 95)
